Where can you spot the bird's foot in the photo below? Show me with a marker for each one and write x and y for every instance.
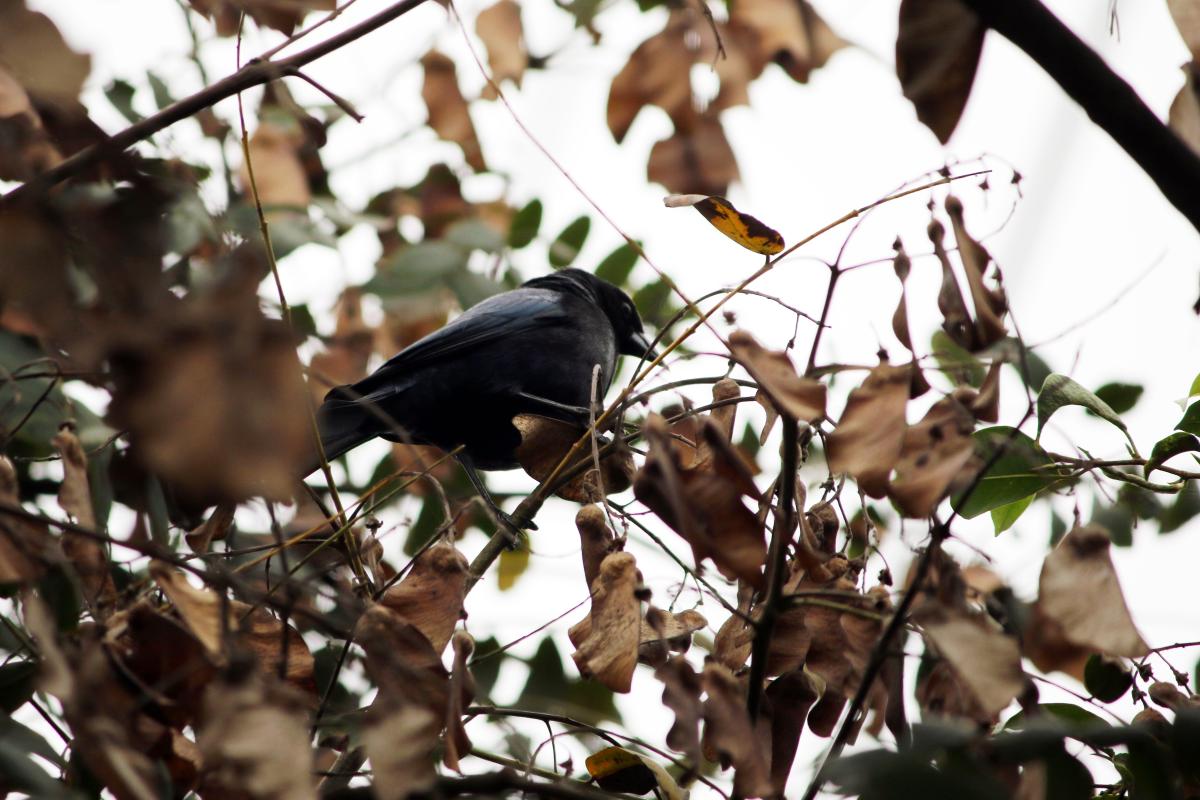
(512, 527)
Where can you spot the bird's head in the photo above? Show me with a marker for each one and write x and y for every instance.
(626, 322)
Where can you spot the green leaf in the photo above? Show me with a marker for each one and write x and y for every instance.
(62, 595)
(1121, 397)
(303, 323)
(475, 234)
(17, 680)
(566, 247)
(1004, 516)
(525, 224)
(162, 95)
(653, 303)
(1182, 510)
(1023, 469)
(13, 732)
(1058, 528)
(1066, 778)
(485, 666)
(956, 361)
(417, 268)
(1071, 715)
(1107, 680)
(549, 688)
(1191, 420)
(1169, 447)
(471, 287)
(120, 94)
(1195, 388)
(23, 774)
(617, 265)
(1058, 390)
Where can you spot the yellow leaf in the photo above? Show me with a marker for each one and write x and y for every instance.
(744, 229)
(513, 564)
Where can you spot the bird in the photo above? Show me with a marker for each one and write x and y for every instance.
(530, 350)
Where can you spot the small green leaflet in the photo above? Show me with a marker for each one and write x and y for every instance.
(1058, 390)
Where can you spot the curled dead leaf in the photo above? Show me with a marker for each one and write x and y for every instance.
(663, 632)
(75, 497)
(797, 397)
(597, 541)
(933, 459)
(25, 546)
(937, 52)
(607, 641)
(431, 595)
(985, 661)
(696, 159)
(499, 27)
(545, 441)
(869, 437)
(787, 32)
(681, 694)
(448, 113)
(729, 734)
(280, 15)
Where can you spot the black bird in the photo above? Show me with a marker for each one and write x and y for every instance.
(530, 350)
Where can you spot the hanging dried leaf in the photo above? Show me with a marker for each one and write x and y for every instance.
(279, 175)
(990, 304)
(607, 641)
(937, 53)
(869, 437)
(934, 459)
(344, 360)
(787, 32)
(681, 694)
(214, 529)
(1079, 590)
(663, 632)
(75, 497)
(797, 397)
(901, 265)
(253, 736)
(722, 421)
(448, 113)
(704, 506)
(786, 702)
(35, 56)
(732, 644)
(658, 73)
(597, 541)
(696, 159)
(544, 442)
(462, 692)
(400, 747)
(986, 661)
(941, 692)
(499, 27)
(431, 595)
(956, 320)
(729, 733)
(25, 547)
(281, 15)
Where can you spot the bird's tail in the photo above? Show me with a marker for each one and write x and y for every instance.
(343, 425)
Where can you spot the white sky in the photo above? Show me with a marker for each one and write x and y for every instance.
(1090, 224)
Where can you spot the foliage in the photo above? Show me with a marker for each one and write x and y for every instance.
(181, 643)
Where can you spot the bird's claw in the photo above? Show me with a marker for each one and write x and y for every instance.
(512, 528)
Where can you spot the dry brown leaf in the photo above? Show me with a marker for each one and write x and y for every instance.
(431, 595)
(1184, 116)
(786, 703)
(956, 320)
(596, 539)
(1186, 14)
(658, 73)
(279, 175)
(25, 546)
(75, 497)
(734, 638)
(990, 304)
(663, 632)
(34, 54)
(937, 53)
(797, 397)
(1079, 590)
(54, 673)
(448, 113)
(544, 442)
(870, 435)
(705, 506)
(729, 733)
(933, 459)
(696, 159)
(901, 264)
(400, 749)
(462, 692)
(402, 663)
(281, 15)
(985, 660)
(254, 739)
(344, 360)
(27, 149)
(499, 27)
(607, 651)
(787, 32)
(823, 716)
(214, 529)
(986, 404)
(942, 692)
(255, 629)
(681, 694)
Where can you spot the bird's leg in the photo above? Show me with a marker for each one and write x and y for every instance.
(506, 520)
(554, 409)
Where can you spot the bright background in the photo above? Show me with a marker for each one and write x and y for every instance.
(1097, 265)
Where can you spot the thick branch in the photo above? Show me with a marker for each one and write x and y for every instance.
(1105, 96)
(253, 74)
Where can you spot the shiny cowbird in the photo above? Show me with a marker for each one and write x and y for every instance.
(527, 351)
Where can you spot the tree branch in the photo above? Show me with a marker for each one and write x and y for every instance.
(256, 72)
(1106, 97)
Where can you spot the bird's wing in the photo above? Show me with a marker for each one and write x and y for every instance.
(499, 317)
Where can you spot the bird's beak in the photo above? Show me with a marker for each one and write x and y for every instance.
(642, 345)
